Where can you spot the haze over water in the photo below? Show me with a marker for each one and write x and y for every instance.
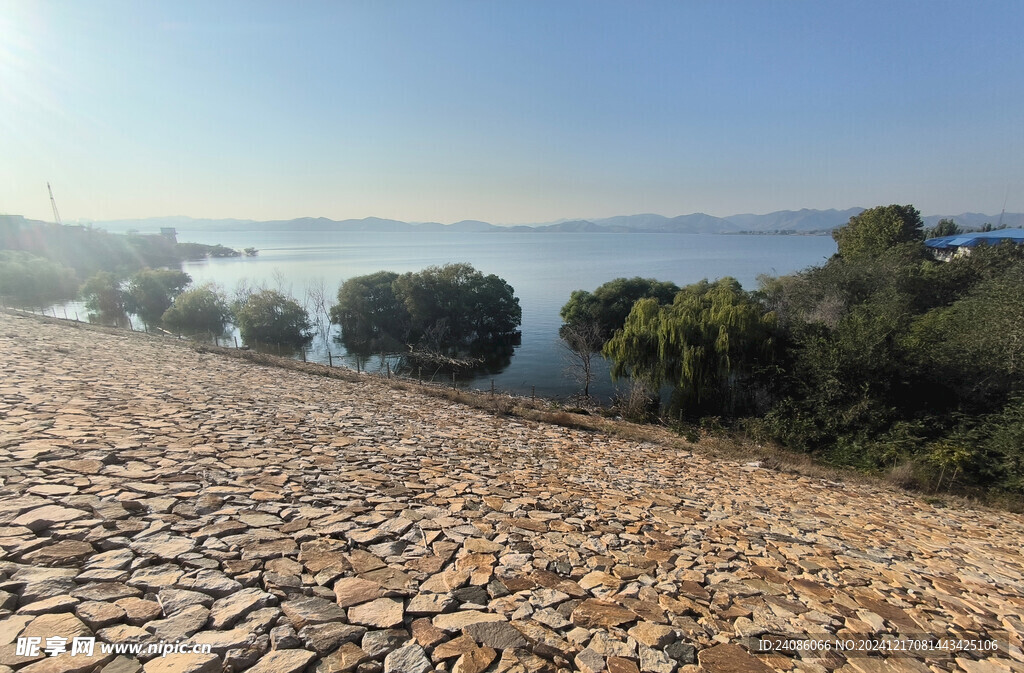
(544, 269)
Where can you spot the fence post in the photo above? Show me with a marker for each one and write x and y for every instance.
(359, 367)
(330, 360)
(130, 325)
(533, 393)
(65, 309)
(303, 349)
(388, 365)
(235, 339)
(76, 317)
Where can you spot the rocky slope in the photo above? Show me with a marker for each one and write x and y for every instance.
(292, 522)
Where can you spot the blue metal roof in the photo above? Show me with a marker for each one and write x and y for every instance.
(975, 238)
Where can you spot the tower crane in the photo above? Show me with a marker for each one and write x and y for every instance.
(56, 215)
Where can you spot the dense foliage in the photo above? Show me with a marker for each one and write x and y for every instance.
(203, 309)
(104, 295)
(28, 280)
(709, 344)
(596, 315)
(882, 358)
(446, 308)
(879, 229)
(151, 292)
(371, 316)
(268, 316)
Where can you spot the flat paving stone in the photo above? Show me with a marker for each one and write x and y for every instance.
(155, 489)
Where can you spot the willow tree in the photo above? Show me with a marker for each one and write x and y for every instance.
(707, 344)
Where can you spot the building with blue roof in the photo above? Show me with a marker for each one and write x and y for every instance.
(946, 248)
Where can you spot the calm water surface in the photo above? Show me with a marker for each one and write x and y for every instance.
(543, 268)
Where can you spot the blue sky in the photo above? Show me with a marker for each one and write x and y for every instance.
(507, 111)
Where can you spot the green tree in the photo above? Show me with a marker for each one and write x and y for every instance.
(878, 230)
(203, 309)
(708, 344)
(606, 308)
(151, 292)
(976, 344)
(268, 316)
(439, 308)
(371, 316)
(945, 227)
(31, 280)
(104, 295)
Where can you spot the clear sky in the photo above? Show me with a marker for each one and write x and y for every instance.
(512, 111)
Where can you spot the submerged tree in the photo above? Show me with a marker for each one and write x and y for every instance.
(442, 308)
(578, 341)
(269, 316)
(151, 292)
(203, 309)
(104, 295)
(370, 314)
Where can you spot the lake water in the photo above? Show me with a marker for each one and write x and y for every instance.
(543, 268)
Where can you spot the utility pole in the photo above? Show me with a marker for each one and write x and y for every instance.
(56, 215)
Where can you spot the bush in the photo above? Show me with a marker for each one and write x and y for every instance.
(270, 317)
(199, 310)
(30, 280)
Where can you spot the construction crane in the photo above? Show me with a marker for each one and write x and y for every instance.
(56, 215)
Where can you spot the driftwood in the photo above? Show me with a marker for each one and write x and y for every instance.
(429, 357)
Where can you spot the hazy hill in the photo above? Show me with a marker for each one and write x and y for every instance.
(804, 220)
(976, 220)
(786, 221)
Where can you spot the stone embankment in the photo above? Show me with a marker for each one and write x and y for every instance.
(293, 523)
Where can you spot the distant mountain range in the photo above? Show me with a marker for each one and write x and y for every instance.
(782, 222)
